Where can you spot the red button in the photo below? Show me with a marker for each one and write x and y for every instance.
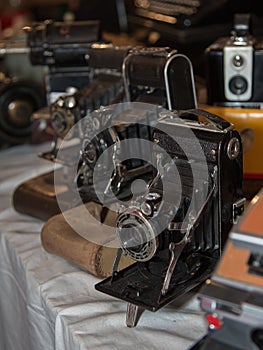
(213, 321)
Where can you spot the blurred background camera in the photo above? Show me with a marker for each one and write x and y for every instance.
(234, 90)
(176, 230)
(63, 48)
(234, 67)
(22, 91)
(105, 87)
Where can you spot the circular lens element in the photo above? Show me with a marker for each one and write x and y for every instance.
(136, 235)
(238, 61)
(238, 85)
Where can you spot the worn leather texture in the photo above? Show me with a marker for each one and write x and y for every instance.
(36, 197)
(59, 237)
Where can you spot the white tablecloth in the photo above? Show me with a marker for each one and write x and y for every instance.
(47, 303)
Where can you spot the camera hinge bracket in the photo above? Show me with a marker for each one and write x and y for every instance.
(176, 250)
(237, 209)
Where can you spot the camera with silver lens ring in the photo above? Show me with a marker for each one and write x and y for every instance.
(175, 232)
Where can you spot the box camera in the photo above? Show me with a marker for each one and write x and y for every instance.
(155, 75)
(232, 298)
(234, 64)
(175, 232)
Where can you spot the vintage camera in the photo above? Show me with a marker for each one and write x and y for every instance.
(234, 65)
(151, 75)
(63, 48)
(232, 298)
(175, 232)
(105, 88)
(67, 110)
(18, 100)
(21, 91)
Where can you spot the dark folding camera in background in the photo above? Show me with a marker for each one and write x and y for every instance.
(235, 67)
(182, 256)
(232, 298)
(105, 87)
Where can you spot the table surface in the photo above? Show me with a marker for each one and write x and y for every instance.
(48, 303)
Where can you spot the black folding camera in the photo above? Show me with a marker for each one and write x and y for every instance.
(63, 48)
(175, 232)
(151, 75)
(234, 76)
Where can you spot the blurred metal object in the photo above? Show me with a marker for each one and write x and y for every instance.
(232, 298)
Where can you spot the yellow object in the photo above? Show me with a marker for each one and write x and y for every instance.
(249, 123)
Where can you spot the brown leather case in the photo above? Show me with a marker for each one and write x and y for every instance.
(36, 197)
(60, 239)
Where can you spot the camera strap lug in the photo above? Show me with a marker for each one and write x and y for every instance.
(237, 209)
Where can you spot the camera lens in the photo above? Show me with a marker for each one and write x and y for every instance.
(133, 237)
(238, 61)
(238, 85)
(136, 235)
